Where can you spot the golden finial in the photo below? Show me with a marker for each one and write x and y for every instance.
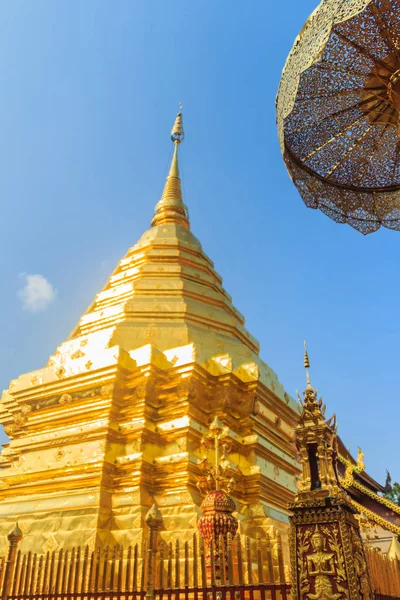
(177, 133)
(15, 536)
(360, 460)
(216, 426)
(307, 364)
(171, 209)
(216, 474)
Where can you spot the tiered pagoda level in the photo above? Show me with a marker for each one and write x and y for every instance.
(114, 421)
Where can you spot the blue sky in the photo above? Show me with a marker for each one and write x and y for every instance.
(89, 92)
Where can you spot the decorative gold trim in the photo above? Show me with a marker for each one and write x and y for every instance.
(349, 481)
(375, 518)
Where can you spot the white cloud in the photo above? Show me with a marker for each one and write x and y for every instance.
(37, 293)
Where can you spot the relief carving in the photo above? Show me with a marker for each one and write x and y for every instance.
(60, 372)
(321, 564)
(10, 430)
(106, 390)
(65, 399)
(19, 419)
(361, 568)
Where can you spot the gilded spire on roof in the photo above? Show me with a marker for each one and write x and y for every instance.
(171, 209)
(307, 364)
(316, 441)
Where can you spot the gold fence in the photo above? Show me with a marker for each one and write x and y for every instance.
(244, 566)
(384, 574)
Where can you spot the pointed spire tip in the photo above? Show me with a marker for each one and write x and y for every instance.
(307, 364)
(171, 209)
(177, 132)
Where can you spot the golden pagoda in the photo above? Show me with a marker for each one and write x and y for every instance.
(114, 421)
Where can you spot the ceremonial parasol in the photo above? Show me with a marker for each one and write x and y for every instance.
(338, 112)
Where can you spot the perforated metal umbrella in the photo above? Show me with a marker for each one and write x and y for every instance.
(338, 112)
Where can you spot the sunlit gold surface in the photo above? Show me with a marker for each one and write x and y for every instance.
(338, 112)
(114, 421)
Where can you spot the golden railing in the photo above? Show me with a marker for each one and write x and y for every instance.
(384, 574)
(244, 567)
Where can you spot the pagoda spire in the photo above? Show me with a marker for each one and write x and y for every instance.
(307, 365)
(171, 209)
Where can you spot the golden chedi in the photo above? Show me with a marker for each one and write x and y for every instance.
(114, 421)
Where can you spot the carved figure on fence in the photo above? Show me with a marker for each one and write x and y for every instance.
(321, 565)
(361, 569)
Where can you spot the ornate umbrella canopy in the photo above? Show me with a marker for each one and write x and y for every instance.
(338, 112)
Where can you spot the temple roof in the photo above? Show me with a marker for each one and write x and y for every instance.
(364, 477)
(366, 494)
